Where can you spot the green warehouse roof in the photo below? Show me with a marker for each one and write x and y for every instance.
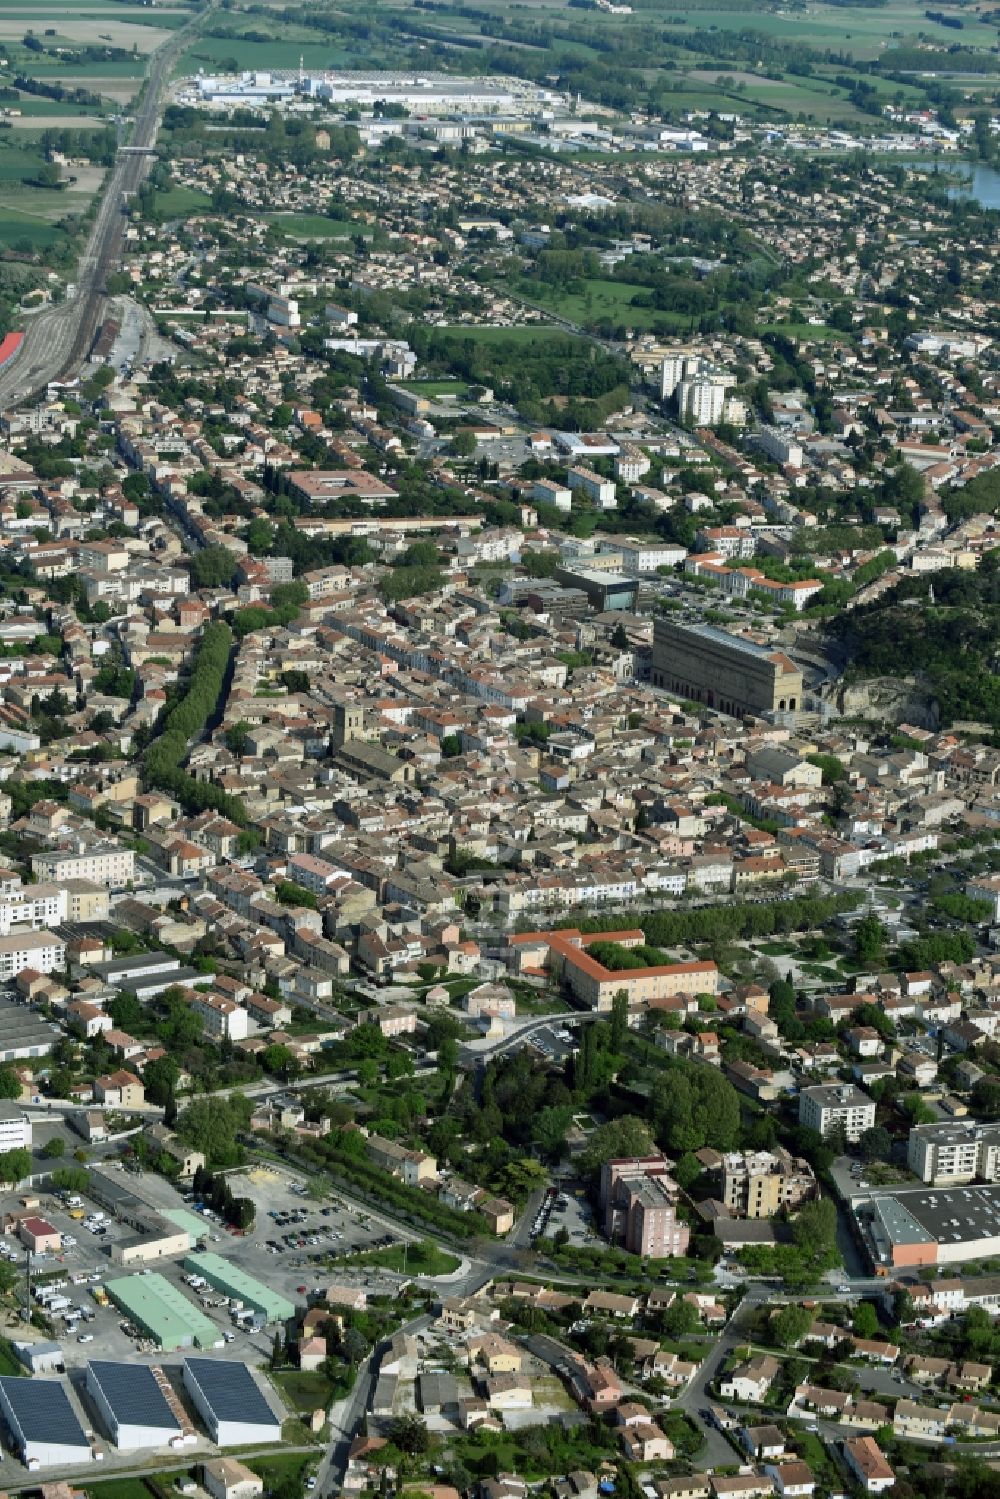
(232, 1281)
(181, 1218)
(163, 1312)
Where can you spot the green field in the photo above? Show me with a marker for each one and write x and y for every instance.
(433, 389)
(611, 300)
(119, 1488)
(303, 1390)
(182, 200)
(281, 1465)
(20, 229)
(523, 334)
(317, 226)
(862, 31)
(218, 51)
(31, 104)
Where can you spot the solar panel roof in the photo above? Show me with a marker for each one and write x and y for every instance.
(230, 1390)
(133, 1394)
(42, 1411)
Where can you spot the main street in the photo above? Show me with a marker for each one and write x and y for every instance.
(58, 340)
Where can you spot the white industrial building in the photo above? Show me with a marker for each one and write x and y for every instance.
(135, 1404)
(42, 1426)
(230, 1403)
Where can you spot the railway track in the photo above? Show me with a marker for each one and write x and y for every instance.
(58, 340)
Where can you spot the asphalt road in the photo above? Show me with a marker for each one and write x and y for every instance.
(58, 340)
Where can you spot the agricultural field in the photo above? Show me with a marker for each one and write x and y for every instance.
(234, 54)
(29, 215)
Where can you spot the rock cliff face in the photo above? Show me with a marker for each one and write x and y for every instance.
(894, 699)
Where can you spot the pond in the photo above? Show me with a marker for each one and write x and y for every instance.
(977, 181)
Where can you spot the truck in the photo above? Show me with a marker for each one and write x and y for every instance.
(58, 1304)
(100, 1295)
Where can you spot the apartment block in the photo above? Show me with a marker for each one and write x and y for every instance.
(759, 1183)
(639, 1199)
(835, 1106)
(954, 1151)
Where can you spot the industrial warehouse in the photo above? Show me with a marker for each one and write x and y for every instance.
(235, 1283)
(230, 1402)
(41, 1424)
(137, 1406)
(162, 1313)
(929, 1226)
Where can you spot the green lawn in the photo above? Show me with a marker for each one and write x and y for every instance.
(179, 201)
(317, 226)
(119, 1488)
(419, 1259)
(281, 1465)
(434, 388)
(9, 1361)
(303, 1390)
(602, 300)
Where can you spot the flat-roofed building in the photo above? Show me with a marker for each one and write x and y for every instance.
(837, 1106)
(639, 1198)
(724, 671)
(953, 1151)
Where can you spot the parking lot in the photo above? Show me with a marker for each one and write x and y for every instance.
(288, 1250)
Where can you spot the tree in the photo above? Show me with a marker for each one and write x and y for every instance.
(409, 1433)
(279, 1061)
(14, 1165)
(213, 567)
(463, 442)
(10, 1083)
(903, 1310)
(238, 738)
(626, 1136)
(619, 1021)
(869, 940)
(212, 1125)
(126, 1010)
(160, 1079)
(814, 1231)
(277, 1352)
(353, 1345)
(866, 1324)
(687, 1171)
(791, 1324)
(54, 1148)
(695, 1107)
(681, 1319)
(876, 1144)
